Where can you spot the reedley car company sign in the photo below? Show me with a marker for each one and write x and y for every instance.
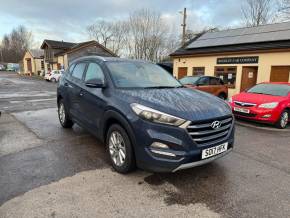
(238, 60)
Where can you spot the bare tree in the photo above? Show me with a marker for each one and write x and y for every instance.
(101, 31)
(15, 44)
(284, 9)
(144, 35)
(148, 34)
(109, 34)
(258, 12)
(119, 39)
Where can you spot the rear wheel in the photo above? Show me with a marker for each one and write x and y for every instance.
(120, 149)
(63, 116)
(283, 120)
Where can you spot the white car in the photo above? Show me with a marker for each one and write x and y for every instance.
(53, 76)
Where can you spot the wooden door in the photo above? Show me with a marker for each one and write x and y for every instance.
(280, 74)
(182, 72)
(29, 65)
(249, 77)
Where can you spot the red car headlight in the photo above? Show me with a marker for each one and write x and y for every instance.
(269, 105)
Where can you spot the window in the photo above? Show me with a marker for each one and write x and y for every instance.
(215, 81)
(198, 71)
(42, 65)
(203, 81)
(94, 71)
(71, 67)
(227, 75)
(79, 70)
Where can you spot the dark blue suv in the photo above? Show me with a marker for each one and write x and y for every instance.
(145, 116)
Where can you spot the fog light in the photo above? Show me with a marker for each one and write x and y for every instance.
(266, 116)
(163, 153)
(159, 145)
(155, 146)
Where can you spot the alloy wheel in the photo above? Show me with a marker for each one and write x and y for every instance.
(284, 119)
(117, 148)
(61, 113)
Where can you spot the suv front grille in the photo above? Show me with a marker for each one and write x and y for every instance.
(203, 134)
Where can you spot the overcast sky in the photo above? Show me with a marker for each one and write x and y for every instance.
(67, 19)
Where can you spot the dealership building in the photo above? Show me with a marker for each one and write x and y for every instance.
(241, 57)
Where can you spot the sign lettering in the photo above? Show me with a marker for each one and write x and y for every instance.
(238, 60)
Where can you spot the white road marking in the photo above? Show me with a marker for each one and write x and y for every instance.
(26, 94)
(33, 100)
(15, 81)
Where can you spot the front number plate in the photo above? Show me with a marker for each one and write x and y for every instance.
(209, 152)
(242, 110)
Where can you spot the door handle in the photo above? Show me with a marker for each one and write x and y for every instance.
(82, 93)
(66, 84)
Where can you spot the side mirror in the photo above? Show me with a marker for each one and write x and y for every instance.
(95, 83)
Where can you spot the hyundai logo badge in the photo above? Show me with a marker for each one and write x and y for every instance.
(216, 124)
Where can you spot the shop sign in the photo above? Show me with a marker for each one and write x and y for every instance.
(238, 60)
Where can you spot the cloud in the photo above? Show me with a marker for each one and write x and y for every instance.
(67, 19)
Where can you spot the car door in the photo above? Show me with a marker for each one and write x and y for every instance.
(215, 85)
(203, 84)
(74, 83)
(93, 99)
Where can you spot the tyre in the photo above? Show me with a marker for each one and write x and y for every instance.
(119, 148)
(222, 96)
(63, 115)
(53, 80)
(283, 120)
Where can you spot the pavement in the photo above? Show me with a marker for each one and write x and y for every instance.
(47, 171)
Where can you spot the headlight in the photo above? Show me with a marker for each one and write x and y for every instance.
(156, 116)
(269, 105)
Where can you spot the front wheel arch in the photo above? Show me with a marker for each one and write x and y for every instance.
(278, 123)
(111, 117)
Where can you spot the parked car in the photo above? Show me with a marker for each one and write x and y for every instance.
(2, 67)
(145, 117)
(13, 67)
(212, 85)
(265, 102)
(53, 75)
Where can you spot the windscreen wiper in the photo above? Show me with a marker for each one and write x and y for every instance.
(162, 87)
(260, 93)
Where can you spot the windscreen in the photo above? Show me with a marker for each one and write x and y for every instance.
(140, 75)
(189, 80)
(271, 89)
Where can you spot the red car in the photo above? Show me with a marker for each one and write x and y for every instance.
(265, 102)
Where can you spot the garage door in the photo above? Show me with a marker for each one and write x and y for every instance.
(280, 74)
(182, 72)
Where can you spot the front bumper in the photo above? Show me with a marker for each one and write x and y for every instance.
(259, 114)
(183, 152)
(202, 162)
